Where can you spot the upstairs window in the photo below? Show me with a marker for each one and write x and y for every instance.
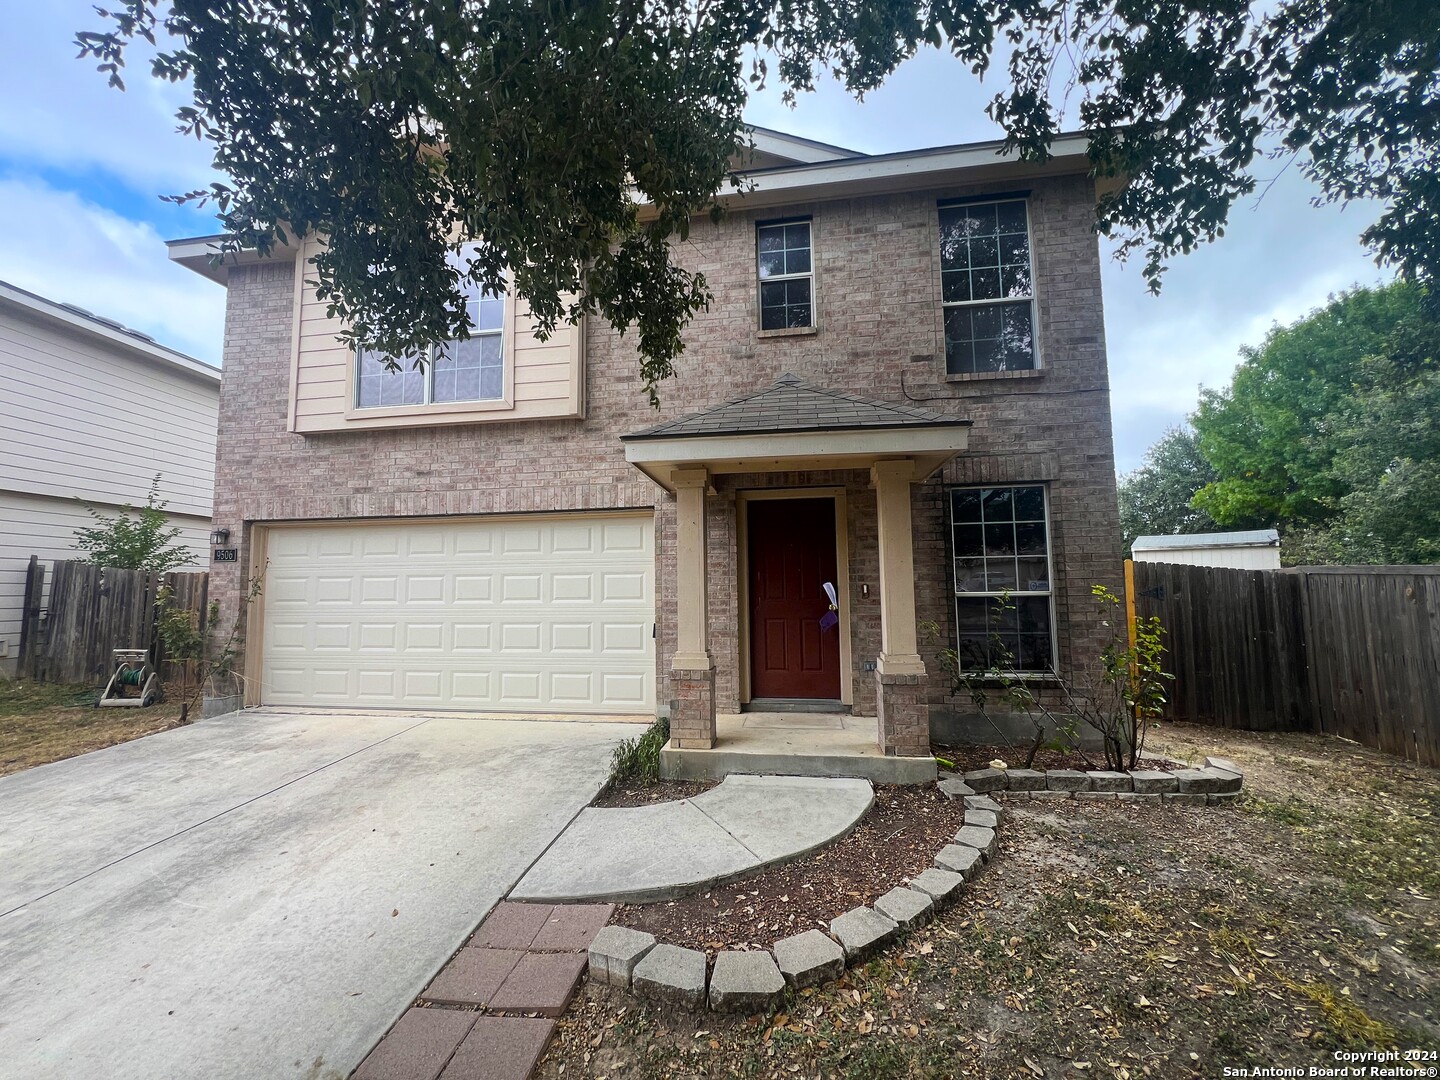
(987, 287)
(1003, 588)
(787, 276)
(469, 370)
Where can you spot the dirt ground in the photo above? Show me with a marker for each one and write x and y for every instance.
(40, 723)
(1120, 940)
(895, 841)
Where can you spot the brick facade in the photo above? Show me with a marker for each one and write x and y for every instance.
(879, 335)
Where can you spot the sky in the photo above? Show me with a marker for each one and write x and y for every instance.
(82, 167)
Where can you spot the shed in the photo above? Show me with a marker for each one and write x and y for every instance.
(1256, 549)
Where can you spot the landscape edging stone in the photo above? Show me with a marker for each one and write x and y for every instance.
(1218, 781)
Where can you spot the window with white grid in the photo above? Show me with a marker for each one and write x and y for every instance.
(1003, 586)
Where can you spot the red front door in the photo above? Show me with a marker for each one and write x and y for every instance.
(792, 556)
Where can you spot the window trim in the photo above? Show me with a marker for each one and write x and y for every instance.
(1022, 197)
(957, 595)
(796, 331)
(506, 401)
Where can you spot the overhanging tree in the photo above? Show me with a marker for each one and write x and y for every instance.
(392, 126)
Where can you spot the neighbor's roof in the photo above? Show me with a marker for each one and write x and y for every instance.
(108, 330)
(1252, 538)
(796, 148)
(790, 405)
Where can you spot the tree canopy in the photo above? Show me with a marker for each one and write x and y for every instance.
(576, 140)
(1330, 430)
(1157, 498)
(1271, 434)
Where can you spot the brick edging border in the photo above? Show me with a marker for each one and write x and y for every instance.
(1219, 780)
(755, 980)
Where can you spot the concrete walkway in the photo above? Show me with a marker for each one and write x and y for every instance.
(642, 854)
(260, 895)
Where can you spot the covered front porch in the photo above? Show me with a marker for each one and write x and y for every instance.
(819, 598)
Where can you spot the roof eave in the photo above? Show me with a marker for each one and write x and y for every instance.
(38, 307)
(649, 435)
(204, 255)
(927, 446)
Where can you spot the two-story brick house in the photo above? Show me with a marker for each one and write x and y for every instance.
(899, 397)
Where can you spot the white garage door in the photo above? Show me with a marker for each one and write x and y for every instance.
(535, 614)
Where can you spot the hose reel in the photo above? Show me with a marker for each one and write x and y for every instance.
(133, 680)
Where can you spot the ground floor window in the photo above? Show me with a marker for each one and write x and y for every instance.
(1004, 613)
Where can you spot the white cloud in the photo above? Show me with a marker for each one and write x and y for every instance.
(69, 250)
(59, 111)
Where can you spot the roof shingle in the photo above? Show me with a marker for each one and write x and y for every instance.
(790, 405)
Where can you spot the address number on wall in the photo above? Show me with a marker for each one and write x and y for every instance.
(226, 555)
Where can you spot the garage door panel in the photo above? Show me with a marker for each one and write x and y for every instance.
(624, 690)
(625, 637)
(573, 588)
(474, 588)
(631, 536)
(540, 614)
(519, 588)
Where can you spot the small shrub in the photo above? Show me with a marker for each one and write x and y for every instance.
(136, 538)
(638, 760)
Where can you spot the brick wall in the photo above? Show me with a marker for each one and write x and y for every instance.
(880, 335)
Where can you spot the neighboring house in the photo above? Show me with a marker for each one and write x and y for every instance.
(91, 411)
(900, 389)
(1258, 549)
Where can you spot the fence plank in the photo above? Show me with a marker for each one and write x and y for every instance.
(30, 612)
(93, 611)
(1351, 651)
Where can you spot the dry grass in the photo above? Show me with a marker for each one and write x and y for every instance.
(40, 723)
(1120, 940)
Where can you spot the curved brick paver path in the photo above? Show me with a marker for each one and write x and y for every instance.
(641, 854)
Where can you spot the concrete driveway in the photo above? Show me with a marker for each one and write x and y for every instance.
(260, 895)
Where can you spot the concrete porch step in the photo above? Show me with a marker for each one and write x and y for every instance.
(795, 744)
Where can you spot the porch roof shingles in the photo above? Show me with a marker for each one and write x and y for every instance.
(791, 405)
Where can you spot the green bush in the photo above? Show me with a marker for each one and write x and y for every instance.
(639, 759)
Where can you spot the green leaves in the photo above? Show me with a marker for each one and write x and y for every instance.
(576, 141)
(1156, 499)
(1329, 430)
(1272, 435)
(136, 538)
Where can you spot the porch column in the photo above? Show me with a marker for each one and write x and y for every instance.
(900, 683)
(692, 673)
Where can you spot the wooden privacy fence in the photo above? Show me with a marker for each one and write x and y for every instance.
(67, 636)
(1346, 650)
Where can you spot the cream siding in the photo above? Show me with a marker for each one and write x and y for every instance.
(85, 417)
(82, 418)
(542, 379)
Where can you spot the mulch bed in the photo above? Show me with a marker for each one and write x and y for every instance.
(643, 793)
(967, 758)
(895, 841)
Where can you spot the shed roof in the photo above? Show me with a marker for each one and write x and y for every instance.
(1250, 538)
(792, 405)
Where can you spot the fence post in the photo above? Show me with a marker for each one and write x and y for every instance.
(1130, 599)
(1307, 629)
(30, 618)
